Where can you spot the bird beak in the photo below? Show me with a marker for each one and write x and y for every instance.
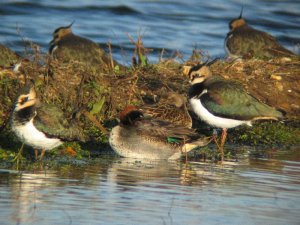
(186, 70)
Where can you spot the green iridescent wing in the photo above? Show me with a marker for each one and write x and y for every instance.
(52, 122)
(228, 99)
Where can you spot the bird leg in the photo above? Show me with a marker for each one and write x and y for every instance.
(19, 155)
(37, 156)
(36, 153)
(42, 154)
(214, 138)
(223, 139)
(221, 144)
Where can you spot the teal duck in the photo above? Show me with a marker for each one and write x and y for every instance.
(138, 136)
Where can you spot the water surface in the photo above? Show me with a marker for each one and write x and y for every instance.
(170, 25)
(124, 191)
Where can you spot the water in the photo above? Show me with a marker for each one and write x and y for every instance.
(124, 191)
(170, 25)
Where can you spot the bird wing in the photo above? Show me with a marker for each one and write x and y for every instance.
(81, 49)
(165, 131)
(254, 42)
(51, 121)
(229, 99)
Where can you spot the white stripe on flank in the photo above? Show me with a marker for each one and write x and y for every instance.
(212, 120)
(35, 138)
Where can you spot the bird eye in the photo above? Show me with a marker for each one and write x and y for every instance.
(23, 100)
(195, 75)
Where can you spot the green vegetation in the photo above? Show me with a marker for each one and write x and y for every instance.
(95, 98)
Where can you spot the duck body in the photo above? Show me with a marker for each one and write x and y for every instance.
(142, 137)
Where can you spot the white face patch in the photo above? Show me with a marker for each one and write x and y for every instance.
(54, 49)
(212, 120)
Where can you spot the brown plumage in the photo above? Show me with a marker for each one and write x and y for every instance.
(172, 108)
(145, 137)
(245, 41)
(66, 47)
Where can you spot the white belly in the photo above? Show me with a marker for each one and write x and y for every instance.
(34, 138)
(212, 120)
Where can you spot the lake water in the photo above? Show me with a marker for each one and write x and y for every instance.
(124, 191)
(170, 25)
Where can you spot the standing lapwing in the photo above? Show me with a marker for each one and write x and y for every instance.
(224, 103)
(44, 127)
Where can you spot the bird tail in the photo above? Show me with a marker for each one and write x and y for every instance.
(203, 141)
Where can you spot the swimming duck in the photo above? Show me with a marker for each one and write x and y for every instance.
(66, 46)
(245, 41)
(172, 108)
(44, 127)
(224, 103)
(138, 136)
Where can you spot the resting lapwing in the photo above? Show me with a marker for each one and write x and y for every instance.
(243, 41)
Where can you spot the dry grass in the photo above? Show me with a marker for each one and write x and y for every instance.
(100, 96)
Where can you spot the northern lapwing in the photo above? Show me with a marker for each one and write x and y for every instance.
(138, 136)
(44, 127)
(243, 41)
(224, 103)
(66, 46)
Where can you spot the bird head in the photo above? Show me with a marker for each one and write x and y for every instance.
(237, 22)
(26, 98)
(130, 114)
(176, 99)
(200, 73)
(61, 32)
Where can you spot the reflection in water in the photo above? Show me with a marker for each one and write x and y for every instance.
(125, 191)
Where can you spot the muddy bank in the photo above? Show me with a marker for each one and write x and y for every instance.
(94, 97)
